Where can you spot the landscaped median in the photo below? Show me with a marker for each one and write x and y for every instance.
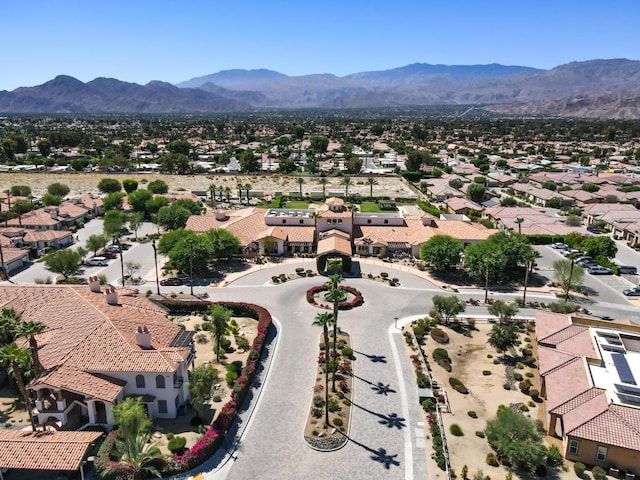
(107, 467)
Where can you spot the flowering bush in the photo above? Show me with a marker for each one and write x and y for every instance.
(212, 438)
(356, 302)
(318, 388)
(344, 387)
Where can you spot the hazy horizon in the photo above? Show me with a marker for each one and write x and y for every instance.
(143, 41)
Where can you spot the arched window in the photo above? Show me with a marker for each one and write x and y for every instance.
(139, 381)
(159, 381)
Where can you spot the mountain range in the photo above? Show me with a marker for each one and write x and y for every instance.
(595, 88)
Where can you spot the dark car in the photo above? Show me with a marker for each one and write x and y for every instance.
(171, 282)
(632, 292)
(125, 246)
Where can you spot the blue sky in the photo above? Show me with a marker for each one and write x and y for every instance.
(141, 40)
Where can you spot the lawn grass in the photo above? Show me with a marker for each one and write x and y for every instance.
(297, 205)
(369, 207)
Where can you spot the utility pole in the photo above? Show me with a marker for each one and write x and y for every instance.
(566, 297)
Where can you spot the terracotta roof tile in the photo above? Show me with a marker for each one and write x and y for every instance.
(576, 401)
(548, 323)
(92, 386)
(565, 383)
(588, 410)
(51, 450)
(618, 426)
(550, 359)
(563, 335)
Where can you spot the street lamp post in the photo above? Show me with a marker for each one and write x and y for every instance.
(155, 257)
(116, 241)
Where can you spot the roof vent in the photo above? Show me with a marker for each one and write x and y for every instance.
(111, 295)
(94, 284)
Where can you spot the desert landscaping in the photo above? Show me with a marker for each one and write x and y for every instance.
(81, 183)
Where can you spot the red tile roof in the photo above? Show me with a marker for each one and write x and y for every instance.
(51, 450)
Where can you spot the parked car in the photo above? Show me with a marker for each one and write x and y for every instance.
(598, 270)
(112, 248)
(632, 292)
(583, 258)
(96, 262)
(570, 251)
(593, 229)
(109, 255)
(628, 269)
(125, 246)
(559, 246)
(172, 281)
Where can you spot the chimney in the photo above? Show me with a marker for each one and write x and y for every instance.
(220, 215)
(143, 337)
(94, 284)
(111, 295)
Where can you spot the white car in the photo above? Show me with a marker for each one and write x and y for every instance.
(559, 246)
(97, 262)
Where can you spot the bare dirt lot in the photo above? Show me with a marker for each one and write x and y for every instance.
(81, 183)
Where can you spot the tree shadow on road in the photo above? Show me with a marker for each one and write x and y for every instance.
(380, 388)
(380, 455)
(373, 358)
(391, 420)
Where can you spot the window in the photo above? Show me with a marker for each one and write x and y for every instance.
(159, 381)
(162, 406)
(573, 446)
(301, 221)
(139, 381)
(340, 221)
(368, 220)
(386, 221)
(601, 455)
(284, 220)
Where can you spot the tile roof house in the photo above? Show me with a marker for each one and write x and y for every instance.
(588, 372)
(100, 346)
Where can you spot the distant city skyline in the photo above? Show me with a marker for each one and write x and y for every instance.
(146, 40)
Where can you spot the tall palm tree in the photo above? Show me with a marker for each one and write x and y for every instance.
(227, 191)
(138, 455)
(519, 221)
(220, 317)
(29, 330)
(300, 182)
(324, 320)
(371, 182)
(336, 296)
(15, 357)
(9, 323)
(212, 192)
(346, 181)
(323, 181)
(247, 187)
(239, 186)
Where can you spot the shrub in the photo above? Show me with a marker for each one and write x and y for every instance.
(217, 398)
(525, 386)
(506, 386)
(429, 405)
(518, 377)
(535, 394)
(472, 414)
(579, 468)
(170, 435)
(317, 412)
(492, 460)
(554, 456)
(334, 406)
(458, 386)
(479, 433)
(541, 470)
(439, 335)
(423, 381)
(486, 372)
(337, 422)
(347, 352)
(176, 444)
(523, 408)
(456, 430)
(563, 307)
(598, 473)
(318, 401)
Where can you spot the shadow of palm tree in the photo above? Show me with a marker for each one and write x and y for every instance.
(373, 358)
(380, 455)
(379, 387)
(391, 420)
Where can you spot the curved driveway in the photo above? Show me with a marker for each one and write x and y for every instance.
(386, 440)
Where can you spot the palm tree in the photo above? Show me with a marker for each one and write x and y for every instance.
(239, 186)
(300, 181)
(212, 192)
(337, 296)
(137, 455)
(324, 320)
(227, 191)
(29, 330)
(9, 323)
(323, 181)
(247, 187)
(15, 357)
(220, 317)
(371, 182)
(519, 221)
(346, 181)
